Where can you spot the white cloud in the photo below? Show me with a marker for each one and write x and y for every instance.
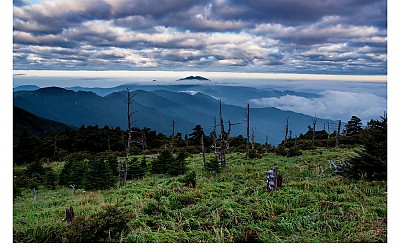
(332, 105)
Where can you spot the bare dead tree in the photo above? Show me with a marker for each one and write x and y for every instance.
(124, 168)
(143, 140)
(228, 135)
(337, 134)
(202, 151)
(286, 129)
(253, 139)
(223, 135)
(314, 123)
(214, 135)
(186, 139)
(172, 137)
(327, 141)
(248, 130)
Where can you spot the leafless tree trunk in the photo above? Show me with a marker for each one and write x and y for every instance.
(214, 135)
(253, 139)
(186, 139)
(228, 135)
(248, 130)
(202, 151)
(223, 135)
(143, 140)
(337, 134)
(173, 137)
(124, 168)
(286, 129)
(314, 122)
(327, 141)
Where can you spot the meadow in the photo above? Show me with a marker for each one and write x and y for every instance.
(313, 205)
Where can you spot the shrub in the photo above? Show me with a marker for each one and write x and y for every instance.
(101, 173)
(16, 191)
(50, 178)
(294, 151)
(74, 169)
(108, 225)
(189, 179)
(281, 150)
(307, 144)
(213, 165)
(178, 166)
(371, 161)
(137, 169)
(163, 162)
(253, 154)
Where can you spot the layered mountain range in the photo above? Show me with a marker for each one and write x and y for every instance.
(157, 106)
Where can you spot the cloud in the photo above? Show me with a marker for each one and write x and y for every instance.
(332, 105)
(292, 36)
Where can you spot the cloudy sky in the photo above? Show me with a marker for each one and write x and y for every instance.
(276, 36)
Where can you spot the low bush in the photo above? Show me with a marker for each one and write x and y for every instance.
(189, 179)
(213, 165)
(108, 225)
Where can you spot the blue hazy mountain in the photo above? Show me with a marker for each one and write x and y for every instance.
(26, 122)
(235, 95)
(157, 109)
(26, 87)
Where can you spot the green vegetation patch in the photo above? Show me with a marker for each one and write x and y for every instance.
(313, 205)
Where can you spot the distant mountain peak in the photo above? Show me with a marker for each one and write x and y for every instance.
(200, 78)
(26, 88)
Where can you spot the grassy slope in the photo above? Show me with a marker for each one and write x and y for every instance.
(313, 205)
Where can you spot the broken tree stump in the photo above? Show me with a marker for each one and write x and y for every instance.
(274, 179)
(34, 194)
(69, 215)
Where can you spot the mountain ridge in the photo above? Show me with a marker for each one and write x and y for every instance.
(156, 110)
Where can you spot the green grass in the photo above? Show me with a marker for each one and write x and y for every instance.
(313, 205)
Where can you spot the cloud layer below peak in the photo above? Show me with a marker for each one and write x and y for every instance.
(331, 105)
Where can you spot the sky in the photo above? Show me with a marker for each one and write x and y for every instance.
(336, 48)
(333, 37)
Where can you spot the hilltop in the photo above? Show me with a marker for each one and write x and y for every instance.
(199, 78)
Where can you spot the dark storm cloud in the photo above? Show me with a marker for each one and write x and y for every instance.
(276, 35)
(294, 12)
